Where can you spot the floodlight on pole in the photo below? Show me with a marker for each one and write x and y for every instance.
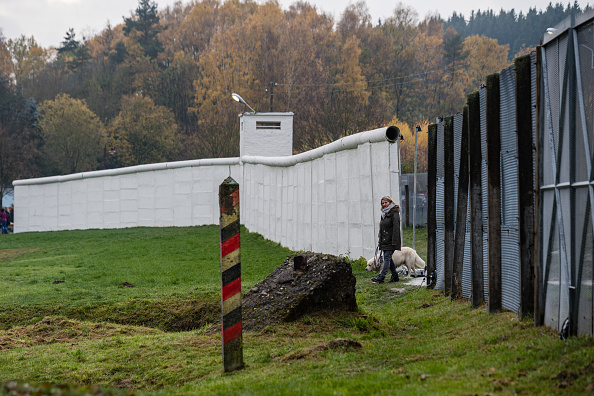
(417, 130)
(239, 99)
(399, 138)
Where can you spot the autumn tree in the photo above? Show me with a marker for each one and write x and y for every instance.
(72, 133)
(396, 68)
(263, 31)
(355, 70)
(8, 161)
(375, 46)
(175, 90)
(30, 62)
(144, 133)
(305, 75)
(240, 58)
(19, 137)
(226, 67)
(337, 77)
(133, 58)
(351, 94)
(187, 29)
(428, 92)
(111, 76)
(454, 80)
(6, 66)
(485, 57)
(218, 121)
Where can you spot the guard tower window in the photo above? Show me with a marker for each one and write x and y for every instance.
(268, 125)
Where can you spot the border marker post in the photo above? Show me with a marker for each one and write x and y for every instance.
(230, 276)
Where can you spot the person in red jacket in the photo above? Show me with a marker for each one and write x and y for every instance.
(3, 220)
(389, 238)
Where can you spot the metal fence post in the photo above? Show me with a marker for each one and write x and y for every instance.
(448, 155)
(526, 183)
(461, 211)
(538, 297)
(494, 194)
(431, 197)
(476, 208)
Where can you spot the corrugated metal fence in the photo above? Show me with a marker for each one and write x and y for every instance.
(510, 221)
(566, 180)
(528, 242)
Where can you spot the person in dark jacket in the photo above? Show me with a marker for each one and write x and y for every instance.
(389, 238)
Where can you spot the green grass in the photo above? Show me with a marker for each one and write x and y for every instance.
(167, 266)
(89, 335)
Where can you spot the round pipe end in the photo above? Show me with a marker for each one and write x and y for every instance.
(392, 134)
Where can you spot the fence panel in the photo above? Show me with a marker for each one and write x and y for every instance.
(567, 188)
(421, 199)
(556, 195)
(439, 209)
(461, 183)
(484, 184)
(584, 174)
(510, 243)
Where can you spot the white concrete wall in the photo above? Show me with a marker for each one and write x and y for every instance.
(159, 195)
(325, 200)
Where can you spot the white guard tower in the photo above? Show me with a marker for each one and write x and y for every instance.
(266, 134)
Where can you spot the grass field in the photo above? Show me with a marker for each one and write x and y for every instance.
(68, 319)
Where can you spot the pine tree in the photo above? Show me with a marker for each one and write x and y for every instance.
(70, 44)
(146, 27)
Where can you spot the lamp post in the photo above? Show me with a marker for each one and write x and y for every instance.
(417, 130)
(271, 90)
(239, 99)
(399, 139)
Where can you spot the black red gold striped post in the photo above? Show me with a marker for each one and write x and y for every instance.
(230, 275)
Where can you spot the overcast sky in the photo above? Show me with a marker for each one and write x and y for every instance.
(49, 20)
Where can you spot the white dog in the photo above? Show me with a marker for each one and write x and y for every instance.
(406, 256)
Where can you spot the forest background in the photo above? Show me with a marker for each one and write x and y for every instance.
(157, 87)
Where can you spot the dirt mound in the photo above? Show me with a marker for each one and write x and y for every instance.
(52, 330)
(304, 283)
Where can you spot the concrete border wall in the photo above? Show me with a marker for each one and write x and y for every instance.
(324, 200)
(168, 194)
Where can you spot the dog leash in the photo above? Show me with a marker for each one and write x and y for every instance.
(423, 281)
(378, 259)
(424, 278)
